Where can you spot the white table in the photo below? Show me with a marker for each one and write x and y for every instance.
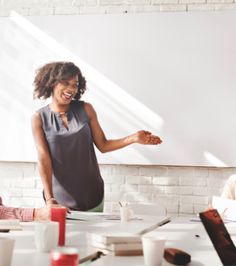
(180, 233)
(100, 222)
(25, 252)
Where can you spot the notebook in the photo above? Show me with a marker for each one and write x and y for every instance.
(219, 236)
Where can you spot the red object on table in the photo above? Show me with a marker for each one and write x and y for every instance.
(58, 214)
(64, 256)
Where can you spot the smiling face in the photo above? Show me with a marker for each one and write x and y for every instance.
(65, 90)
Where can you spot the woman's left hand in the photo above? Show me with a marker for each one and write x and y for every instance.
(147, 138)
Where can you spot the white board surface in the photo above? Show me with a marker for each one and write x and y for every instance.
(171, 73)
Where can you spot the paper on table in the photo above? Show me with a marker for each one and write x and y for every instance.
(10, 224)
(95, 216)
(82, 216)
(225, 207)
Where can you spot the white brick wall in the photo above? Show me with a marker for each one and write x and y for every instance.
(183, 190)
(73, 7)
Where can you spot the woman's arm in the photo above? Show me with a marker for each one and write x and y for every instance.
(44, 158)
(104, 145)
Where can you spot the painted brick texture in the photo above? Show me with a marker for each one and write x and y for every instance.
(182, 190)
(76, 7)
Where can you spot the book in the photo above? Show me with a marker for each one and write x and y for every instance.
(120, 249)
(125, 252)
(119, 246)
(113, 238)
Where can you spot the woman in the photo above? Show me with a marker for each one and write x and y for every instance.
(64, 133)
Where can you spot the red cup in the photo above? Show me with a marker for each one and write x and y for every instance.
(58, 214)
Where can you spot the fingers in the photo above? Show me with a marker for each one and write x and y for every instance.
(146, 137)
(60, 206)
(54, 204)
(51, 201)
(147, 132)
(153, 140)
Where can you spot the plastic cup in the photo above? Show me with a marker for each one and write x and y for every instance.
(6, 251)
(46, 236)
(153, 250)
(58, 214)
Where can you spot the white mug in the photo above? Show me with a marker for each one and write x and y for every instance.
(153, 250)
(6, 250)
(46, 235)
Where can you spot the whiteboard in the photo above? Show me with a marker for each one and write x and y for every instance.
(171, 73)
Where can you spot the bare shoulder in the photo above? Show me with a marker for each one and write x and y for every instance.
(35, 119)
(89, 110)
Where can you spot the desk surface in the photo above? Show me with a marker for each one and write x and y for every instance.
(25, 252)
(180, 233)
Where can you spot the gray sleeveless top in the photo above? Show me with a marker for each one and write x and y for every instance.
(76, 179)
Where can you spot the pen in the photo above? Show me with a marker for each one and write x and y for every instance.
(224, 211)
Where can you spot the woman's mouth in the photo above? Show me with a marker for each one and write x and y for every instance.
(67, 96)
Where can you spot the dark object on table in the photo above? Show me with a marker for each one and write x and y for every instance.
(219, 236)
(176, 256)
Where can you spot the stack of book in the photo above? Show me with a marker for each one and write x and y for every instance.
(118, 245)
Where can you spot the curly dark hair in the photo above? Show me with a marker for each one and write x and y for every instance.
(51, 74)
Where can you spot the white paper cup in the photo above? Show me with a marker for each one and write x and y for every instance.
(126, 213)
(153, 250)
(46, 235)
(6, 251)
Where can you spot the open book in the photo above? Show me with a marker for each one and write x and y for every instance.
(225, 207)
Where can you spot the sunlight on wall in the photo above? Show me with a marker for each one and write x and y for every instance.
(213, 160)
(139, 77)
(115, 107)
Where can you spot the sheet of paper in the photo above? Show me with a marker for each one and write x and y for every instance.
(10, 224)
(95, 216)
(226, 207)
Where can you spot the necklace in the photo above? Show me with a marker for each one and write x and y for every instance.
(63, 113)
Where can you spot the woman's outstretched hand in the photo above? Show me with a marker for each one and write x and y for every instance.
(146, 138)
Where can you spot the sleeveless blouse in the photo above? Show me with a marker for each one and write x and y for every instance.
(76, 179)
